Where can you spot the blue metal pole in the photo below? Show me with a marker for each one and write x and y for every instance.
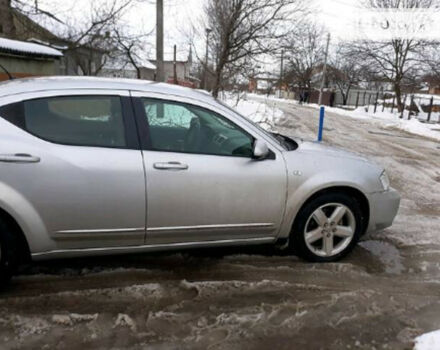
(321, 123)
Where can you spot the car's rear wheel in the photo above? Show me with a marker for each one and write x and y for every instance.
(8, 254)
(327, 228)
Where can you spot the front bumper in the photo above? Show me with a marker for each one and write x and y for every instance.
(383, 209)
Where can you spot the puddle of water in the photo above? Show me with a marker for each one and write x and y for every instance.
(388, 255)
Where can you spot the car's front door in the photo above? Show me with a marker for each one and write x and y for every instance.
(202, 183)
(87, 184)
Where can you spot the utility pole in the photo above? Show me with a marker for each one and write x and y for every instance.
(324, 70)
(159, 41)
(175, 64)
(281, 71)
(205, 72)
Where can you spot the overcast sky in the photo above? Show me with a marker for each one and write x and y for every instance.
(337, 16)
(180, 15)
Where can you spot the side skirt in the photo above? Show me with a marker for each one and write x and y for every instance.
(74, 253)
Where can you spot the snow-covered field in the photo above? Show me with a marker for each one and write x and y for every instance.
(385, 295)
(389, 120)
(257, 110)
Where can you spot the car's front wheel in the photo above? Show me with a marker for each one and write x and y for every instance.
(327, 228)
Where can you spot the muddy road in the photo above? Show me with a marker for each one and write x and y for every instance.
(382, 296)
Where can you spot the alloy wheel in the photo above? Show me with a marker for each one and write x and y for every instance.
(330, 229)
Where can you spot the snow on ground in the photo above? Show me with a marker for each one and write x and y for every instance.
(390, 120)
(270, 99)
(428, 341)
(264, 114)
(269, 104)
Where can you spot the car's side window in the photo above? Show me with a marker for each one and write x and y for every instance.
(72, 120)
(180, 127)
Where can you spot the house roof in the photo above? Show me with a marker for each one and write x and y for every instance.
(147, 64)
(122, 64)
(35, 32)
(25, 48)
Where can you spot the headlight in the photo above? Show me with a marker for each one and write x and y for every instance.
(384, 179)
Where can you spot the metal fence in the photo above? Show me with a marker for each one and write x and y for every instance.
(421, 106)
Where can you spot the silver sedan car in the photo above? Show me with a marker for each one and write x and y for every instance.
(94, 166)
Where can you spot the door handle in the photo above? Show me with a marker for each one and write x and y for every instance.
(170, 166)
(18, 158)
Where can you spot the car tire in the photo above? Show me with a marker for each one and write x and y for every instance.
(8, 254)
(327, 228)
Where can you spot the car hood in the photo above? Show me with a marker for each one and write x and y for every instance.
(325, 150)
(313, 161)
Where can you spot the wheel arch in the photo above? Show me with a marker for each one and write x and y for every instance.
(348, 190)
(12, 224)
(309, 191)
(24, 217)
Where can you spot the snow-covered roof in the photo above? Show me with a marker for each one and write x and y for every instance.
(122, 64)
(23, 47)
(147, 64)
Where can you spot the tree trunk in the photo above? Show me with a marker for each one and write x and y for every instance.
(398, 93)
(346, 95)
(217, 81)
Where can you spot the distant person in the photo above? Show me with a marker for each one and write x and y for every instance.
(301, 97)
(332, 99)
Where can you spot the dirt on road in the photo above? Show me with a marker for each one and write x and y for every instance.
(382, 296)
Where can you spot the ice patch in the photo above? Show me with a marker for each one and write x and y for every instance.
(207, 289)
(388, 255)
(428, 341)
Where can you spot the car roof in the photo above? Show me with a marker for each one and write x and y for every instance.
(26, 85)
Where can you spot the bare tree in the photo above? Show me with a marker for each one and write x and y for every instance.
(93, 41)
(345, 71)
(33, 8)
(90, 40)
(128, 48)
(398, 59)
(432, 60)
(304, 54)
(244, 29)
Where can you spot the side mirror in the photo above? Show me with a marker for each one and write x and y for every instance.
(260, 151)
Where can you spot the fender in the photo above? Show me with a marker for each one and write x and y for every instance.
(298, 194)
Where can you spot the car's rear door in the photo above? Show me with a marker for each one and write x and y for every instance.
(77, 161)
(202, 183)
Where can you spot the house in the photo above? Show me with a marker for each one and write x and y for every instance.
(264, 83)
(7, 27)
(75, 60)
(434, 90)
(24, 59)
(431, 82)
(123, 69)
(184, 70)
